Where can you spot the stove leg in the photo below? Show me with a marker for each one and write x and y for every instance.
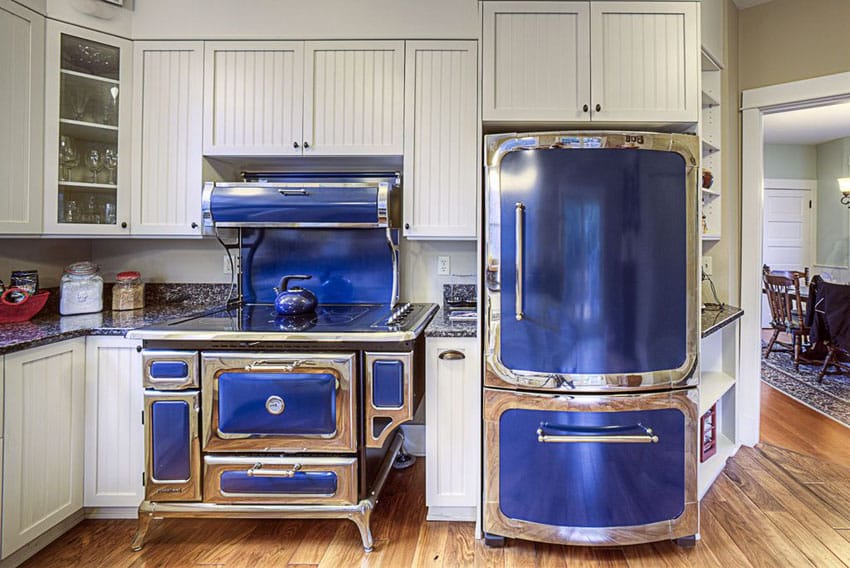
(362, 521)
(686, 541)
(141, 531)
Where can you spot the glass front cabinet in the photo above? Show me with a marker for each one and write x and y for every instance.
(87, 132)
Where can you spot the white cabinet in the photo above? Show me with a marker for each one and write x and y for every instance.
(114, 446)
(452, 428)
(285, 98)
(21, 119)
(440, 147)
(168, 114)
(87, 108)
(43, 440)
(712, 23)
(611, 62)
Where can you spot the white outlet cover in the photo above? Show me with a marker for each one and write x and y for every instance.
(444, 265)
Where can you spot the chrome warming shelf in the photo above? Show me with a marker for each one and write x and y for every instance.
(330, 323)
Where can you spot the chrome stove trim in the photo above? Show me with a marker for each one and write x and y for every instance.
(360, 514)
(173, 489)
(190, 357)
(496, 374)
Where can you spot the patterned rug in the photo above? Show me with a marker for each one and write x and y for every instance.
(832, 397)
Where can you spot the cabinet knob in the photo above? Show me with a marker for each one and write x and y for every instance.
(407, 225)
(451, 355)
(306, 144)
(295, 145)
(194, 225)
(598, 108)
(123, 224)
(585, 108)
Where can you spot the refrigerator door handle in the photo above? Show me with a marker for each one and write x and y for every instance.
(520, 232)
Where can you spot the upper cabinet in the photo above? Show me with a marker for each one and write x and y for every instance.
(167, 112)
(712, 19)
(269, 98)
(21, 119)
(612, 62)
(441, 153)
(87, 132)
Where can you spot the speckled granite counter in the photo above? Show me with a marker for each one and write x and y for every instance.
(714, 320)
(440, 326)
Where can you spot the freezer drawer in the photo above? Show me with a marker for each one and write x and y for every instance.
(278, 402)
(293, 481)
(173, 453)
(590, 470)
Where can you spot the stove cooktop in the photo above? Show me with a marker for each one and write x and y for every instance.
(260, 322)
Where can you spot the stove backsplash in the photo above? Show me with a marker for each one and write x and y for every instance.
(459, 293)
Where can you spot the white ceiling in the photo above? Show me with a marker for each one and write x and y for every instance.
(808, 126)
(741, 4)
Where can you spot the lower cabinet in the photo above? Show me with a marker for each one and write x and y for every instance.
(114, 450)
(43, 440)
(452, 428)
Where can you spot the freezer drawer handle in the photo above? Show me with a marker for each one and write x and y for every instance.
(596, 434)
(520, 231)
(258, 471)
(451, 355)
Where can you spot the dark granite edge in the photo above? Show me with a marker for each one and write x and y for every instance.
(713, 321)
(440, 326)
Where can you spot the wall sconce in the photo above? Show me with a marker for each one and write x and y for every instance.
(844, 186)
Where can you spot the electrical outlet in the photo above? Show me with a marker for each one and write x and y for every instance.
(444, 265)
(227, 269)
(706, 265)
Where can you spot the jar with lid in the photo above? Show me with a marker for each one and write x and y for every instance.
(128, 293)
(81, 289)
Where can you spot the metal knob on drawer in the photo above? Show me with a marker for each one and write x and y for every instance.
(451, 355)
(275, 405)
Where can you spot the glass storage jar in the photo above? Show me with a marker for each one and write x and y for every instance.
(128, 293)
(81, 289)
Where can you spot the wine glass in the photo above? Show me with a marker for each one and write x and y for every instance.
(79, 102)
(110, 162)
(94, 161)
(68, 157)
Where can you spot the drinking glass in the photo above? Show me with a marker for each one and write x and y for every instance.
(79, 102)
(94, 161)
(109, 213)
(70, 211)
(68, 157)
(110, 162)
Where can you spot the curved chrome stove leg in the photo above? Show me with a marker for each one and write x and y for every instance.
(145, 518)
(362, 520)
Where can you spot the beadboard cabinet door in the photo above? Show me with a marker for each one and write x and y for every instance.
(353, 98)
(452, 428)
(43, 440)
(536, 61)
(441, 153)
(114, 447)
(645, 61)
(21, 119)
(253, 98)
(168, 114)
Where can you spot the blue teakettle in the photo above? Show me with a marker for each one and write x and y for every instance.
(294, 301)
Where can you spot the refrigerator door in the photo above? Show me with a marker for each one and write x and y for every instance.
(592, 284)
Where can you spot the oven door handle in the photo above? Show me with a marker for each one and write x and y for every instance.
(259, 471)
(596, 434)
(270, 366)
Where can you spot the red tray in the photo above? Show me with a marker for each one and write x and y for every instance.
(25, 310)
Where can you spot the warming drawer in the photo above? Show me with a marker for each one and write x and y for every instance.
(291, 481)
(278, 402)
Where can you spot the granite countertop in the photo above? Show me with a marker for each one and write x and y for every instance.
(440, 326)
(713, 320)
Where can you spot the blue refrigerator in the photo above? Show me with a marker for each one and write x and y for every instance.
(591, 337)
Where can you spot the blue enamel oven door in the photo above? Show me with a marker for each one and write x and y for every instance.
(590, 470)
(278, 402)
(591, 262)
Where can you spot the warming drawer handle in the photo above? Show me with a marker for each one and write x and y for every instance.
(274, 366)
(258, 471)
(451, 355)
(590, 434)
(300, 191)
(520, 232)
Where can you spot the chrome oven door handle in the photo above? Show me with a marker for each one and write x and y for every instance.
(593, 434)
(520, 235)
(259, 471)
(274, 366)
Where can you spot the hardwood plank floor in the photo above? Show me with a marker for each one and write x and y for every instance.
(770, 507)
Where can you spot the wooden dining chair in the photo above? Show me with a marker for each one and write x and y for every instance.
(786, 312)
(803, 274)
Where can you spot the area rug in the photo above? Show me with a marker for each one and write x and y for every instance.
(832, 397)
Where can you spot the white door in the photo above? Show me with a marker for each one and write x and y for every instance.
(787, 232)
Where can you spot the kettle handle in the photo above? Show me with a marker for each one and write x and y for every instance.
(285, 280)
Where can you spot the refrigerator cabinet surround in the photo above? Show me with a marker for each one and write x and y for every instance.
(559, 470)
(591, 275)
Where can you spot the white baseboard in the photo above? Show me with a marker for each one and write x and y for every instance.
(34, 547)
(452, 514)
(112, 512)
(414, 439)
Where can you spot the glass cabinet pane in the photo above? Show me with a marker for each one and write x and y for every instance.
(88, 131)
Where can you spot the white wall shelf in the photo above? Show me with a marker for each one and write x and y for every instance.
(711, 468)
(713, 385)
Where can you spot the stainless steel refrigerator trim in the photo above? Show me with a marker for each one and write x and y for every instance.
(497, 146)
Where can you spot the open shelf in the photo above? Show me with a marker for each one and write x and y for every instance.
(713, 192)
(710, 469)
(89, 131)
(709, 101)
(712, 386)
(710, 237)
(87, 185)
(708, 148)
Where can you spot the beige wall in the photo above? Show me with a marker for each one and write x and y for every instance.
(789, 40)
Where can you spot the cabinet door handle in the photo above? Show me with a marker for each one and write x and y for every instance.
(194, 225)
(451, 355)
(295, 145)
(407, 225)
(598, 108)
(306, 144)
(124, 224)
(585, 108)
